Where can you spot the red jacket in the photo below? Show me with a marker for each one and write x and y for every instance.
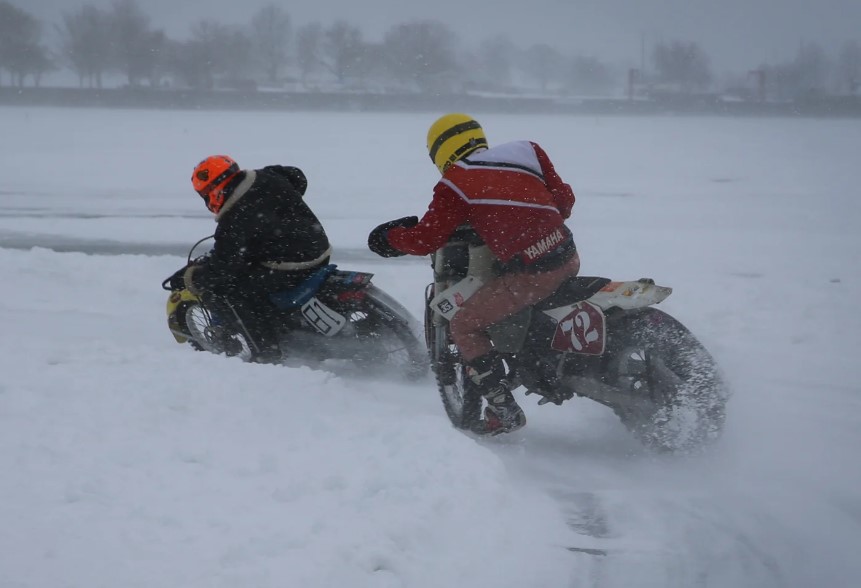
(510, 194)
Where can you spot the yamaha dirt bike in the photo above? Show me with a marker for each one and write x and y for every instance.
(593, 338)
(333, 316)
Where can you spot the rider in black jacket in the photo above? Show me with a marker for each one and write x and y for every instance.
(267, 240)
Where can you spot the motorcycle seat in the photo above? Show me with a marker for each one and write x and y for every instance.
(299, 295)
(573, 290)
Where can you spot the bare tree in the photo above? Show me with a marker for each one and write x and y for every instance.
(86, 43)
(423, 52)
(137, 47)
(215, 54)
(237, 57)
(543, 63)
(849, 67)
(151, 60)
(803, 77)
(271, 35)
(309, 49)
(189, 64)
(588, 75)
(342, 45)
(199, 60)
(778, 81)
(812, 67)
(40, 63)
(496, 56)
(21, 52)
(372, 61)
(683, 64)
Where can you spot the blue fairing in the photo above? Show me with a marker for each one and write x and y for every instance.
(302, 293)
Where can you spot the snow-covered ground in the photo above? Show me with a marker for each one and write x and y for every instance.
(127, 460)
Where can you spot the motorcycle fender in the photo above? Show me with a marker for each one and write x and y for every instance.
(580, 328)
(628, 295)
(174, 301)
(448, 302)
(327, 321)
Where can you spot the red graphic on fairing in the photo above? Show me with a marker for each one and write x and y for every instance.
(583, 330)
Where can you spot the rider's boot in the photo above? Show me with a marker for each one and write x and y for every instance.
(231, 346)
(263, 336)
(266, 348)
(223, 340)
(269, 354)
(502, 413)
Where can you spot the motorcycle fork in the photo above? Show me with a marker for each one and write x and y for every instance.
(237, 321)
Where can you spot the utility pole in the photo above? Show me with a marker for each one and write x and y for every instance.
(633, 74)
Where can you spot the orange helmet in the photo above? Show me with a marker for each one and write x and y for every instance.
(210, 178)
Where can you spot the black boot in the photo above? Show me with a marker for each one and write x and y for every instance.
(258, 324)
(267, 349)
(502, 413)
(225, 342)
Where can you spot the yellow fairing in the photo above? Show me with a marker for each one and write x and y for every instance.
(177, 299)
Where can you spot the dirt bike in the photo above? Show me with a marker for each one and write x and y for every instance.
(332, 316)
(593, 338)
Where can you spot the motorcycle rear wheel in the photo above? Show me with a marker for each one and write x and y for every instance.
(654, 357)
(391, 334)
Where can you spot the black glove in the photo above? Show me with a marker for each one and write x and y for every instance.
(378, 241)
(176, 281)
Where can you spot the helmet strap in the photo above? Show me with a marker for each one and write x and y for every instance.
(468, 148)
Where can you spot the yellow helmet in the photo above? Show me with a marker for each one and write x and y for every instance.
(453, 137)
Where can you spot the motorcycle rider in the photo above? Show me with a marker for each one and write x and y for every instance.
(267, 240)
(512, 197)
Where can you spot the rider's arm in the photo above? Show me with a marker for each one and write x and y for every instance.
(562, 193)
(228, 259)
(446, 212)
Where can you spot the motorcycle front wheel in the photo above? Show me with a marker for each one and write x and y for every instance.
(462, 404)
(206, 334)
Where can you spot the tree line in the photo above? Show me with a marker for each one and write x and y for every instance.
(418, 56)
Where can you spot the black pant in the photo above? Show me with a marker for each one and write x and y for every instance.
(246, 306)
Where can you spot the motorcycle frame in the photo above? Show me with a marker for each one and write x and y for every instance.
(613, 300)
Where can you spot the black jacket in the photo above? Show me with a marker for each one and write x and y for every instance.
(266, 237)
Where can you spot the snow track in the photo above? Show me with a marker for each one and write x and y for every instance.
(714, 519)
(128, 460)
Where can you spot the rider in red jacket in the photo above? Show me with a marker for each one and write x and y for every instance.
(515, 201)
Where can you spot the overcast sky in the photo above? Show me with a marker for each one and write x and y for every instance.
(737, 34)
